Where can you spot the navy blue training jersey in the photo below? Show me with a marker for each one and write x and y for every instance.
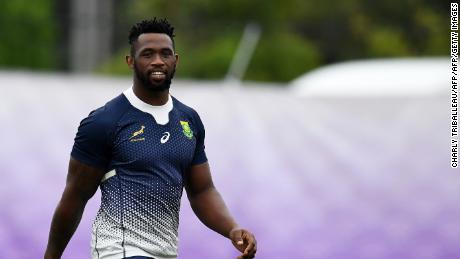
(145, 163)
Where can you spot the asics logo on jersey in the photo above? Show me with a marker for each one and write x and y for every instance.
(165, 137)
(134, 138)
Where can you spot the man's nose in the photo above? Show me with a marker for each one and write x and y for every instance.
(157, 60)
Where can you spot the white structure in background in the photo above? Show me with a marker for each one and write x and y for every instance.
(376, 77)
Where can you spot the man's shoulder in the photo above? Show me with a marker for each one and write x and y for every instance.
(190, 114)
(116, 105)
(184, 108)
(110, 112)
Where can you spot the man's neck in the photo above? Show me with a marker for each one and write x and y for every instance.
(151, 97)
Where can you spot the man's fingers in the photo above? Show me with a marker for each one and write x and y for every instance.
(246, 257)
(245, 242)
(239, 240)
(251, 248)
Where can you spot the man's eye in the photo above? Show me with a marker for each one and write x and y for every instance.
(146, 54)
(166, 53)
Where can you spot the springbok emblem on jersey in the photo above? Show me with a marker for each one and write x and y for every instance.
(137, 133)
(186, 129)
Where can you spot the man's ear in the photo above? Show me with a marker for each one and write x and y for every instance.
(177, 58)
(130, 61)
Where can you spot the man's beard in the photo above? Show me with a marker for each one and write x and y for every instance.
(145, 80)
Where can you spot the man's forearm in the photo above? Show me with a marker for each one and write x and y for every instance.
(65, 221)
(210, 208)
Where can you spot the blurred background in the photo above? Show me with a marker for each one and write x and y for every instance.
(327, 121)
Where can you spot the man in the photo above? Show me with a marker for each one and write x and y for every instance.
(142, 148)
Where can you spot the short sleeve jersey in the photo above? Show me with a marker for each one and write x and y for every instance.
(145, 163)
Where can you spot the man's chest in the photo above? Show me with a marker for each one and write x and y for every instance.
(141, 142)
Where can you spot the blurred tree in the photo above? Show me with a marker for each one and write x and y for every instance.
(28, 34)
(297, 35)
(282, 56)
(209, 32)
(357, 29)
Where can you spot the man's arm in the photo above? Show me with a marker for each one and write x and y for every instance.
(210, 208)
(82, 182)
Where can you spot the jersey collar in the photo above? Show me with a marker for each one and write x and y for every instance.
(160, 113)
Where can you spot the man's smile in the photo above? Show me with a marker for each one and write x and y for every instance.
(158, 75)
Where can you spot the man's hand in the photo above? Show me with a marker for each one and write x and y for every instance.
(245, 242)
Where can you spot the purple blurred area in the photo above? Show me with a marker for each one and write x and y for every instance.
(311, 177)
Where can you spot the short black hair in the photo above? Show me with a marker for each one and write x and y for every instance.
(150, 26)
